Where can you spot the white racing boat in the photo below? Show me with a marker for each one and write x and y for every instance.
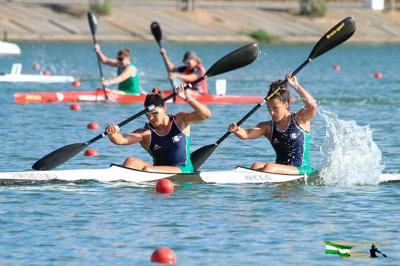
(8, 48)
(16, 76)
(240, 175)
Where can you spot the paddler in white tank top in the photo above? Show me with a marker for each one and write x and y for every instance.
(288, 133)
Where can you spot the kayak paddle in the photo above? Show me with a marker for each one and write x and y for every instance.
(93, 28)
(234, 60)
(156, 31)
(337, 35)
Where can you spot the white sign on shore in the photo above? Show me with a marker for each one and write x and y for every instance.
(375, 4)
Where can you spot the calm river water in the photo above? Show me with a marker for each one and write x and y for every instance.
(355, 136)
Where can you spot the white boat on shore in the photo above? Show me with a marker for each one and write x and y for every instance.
(17, 76)
(239, 175)
(7, 48)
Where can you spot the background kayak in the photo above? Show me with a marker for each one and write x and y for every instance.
(98, 96)
(8, 48)
(35, 78)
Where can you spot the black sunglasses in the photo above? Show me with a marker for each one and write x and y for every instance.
(152, 113)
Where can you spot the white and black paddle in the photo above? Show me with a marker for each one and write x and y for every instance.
(337, 35)
(93, 28)
(234, 60)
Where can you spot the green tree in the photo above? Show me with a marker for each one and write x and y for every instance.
(102, 7)
(313, 8)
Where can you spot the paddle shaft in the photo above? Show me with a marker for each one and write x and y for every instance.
(156, 31)
(126, 121)
(166, 66)
(98, 61)
(147, 109)
(255, 108)
(93, 27)
(380, 252)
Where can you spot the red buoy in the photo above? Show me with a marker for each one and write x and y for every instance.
(165, 186)
(75, 107)
(378, 75)
(336, 67)
(46, 72)
(164, 255)
(91, 152)
(76, 83)
(93, 126)
(36, 66)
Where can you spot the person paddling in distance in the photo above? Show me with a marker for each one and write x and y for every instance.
(127, 74)
(189, 72)
(288, 133)
(166, 137)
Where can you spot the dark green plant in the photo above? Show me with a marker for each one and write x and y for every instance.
(262, 36)
(313, 8)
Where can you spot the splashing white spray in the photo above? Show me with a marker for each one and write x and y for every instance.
(351, 155)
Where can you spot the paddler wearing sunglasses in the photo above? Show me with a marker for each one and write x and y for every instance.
(166, 137)
(127, 74)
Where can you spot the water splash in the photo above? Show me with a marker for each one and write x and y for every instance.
(351, 155)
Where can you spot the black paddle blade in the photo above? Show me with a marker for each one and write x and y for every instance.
(92, 22)
(199, 156)
(337, 35)
(57, 157)
(156, 31)
(234, 60)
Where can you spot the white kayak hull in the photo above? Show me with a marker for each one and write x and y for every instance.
(7, 48)
(35, 78)
(240, 175)
(113, 173)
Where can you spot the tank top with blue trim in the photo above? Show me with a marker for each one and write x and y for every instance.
(171, 149)
(291, 146)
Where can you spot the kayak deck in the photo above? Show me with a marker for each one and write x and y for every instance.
(99, 96)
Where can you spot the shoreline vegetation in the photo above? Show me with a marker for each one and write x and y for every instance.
(260, 35)
(204, 21)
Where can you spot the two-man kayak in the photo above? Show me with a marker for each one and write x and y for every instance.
(240, 175)
(98, 96)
